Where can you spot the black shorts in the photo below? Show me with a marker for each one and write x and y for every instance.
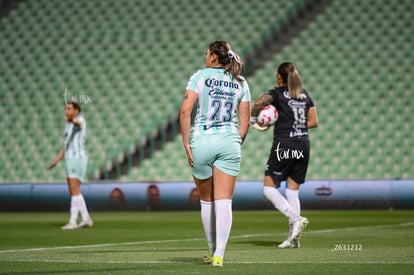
(288, 159)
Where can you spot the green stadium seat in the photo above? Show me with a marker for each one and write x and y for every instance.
(124, 64)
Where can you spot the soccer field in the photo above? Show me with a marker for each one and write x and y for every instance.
(341, 242)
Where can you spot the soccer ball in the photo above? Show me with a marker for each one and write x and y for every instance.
(267, 116)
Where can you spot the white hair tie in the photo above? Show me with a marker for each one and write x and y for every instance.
(232, 55)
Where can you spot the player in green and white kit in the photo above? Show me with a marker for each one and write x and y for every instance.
(221, 99)
(76, 162)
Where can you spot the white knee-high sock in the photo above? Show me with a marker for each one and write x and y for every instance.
(224, 219)
(208, 220)
(83, 209)
(280, 203)
(292, 196)
(74, 209)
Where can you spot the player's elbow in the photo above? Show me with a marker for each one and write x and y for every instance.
(185, 112)
(313, 124)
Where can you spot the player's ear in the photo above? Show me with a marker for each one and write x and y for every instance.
(213, 57)
(279, 79)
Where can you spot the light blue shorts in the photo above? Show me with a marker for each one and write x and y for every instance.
(216, 150)
(76, 168)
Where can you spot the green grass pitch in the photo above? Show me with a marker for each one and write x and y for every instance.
(340, 242)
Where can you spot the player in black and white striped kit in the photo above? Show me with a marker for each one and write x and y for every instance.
(289, 156)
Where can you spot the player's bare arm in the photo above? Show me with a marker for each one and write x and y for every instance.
(57, 159)
(190, 99)
(312, 118)
(264, 100)
(244, 118)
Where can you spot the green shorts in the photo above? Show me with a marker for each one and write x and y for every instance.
(216, 150)
(76, 168)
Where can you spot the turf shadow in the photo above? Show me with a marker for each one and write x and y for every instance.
(259, 242)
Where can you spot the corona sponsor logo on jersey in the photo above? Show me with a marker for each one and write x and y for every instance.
(219, 92)
(294, 103)
(212, 82)
(286, 94)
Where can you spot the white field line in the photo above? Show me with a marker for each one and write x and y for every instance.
(95, 245)
(122, 244)
(360, 228)
(196, 239)
(175, 262)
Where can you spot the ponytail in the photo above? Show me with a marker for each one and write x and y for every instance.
(291, 77)
(229, 59)
(235, 66)
(294, 84)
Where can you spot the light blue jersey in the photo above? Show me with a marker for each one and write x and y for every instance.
(219, 96)
(74, 139)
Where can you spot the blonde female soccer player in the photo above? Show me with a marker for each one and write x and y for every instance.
(221, 99)
(289, 155)
(76, 161)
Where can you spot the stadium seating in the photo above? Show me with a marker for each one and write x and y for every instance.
(354, 59)
(133, 58)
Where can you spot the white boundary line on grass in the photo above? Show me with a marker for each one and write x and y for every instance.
(360, 228)
(174, 262)
(122, 244)
(198, 239)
